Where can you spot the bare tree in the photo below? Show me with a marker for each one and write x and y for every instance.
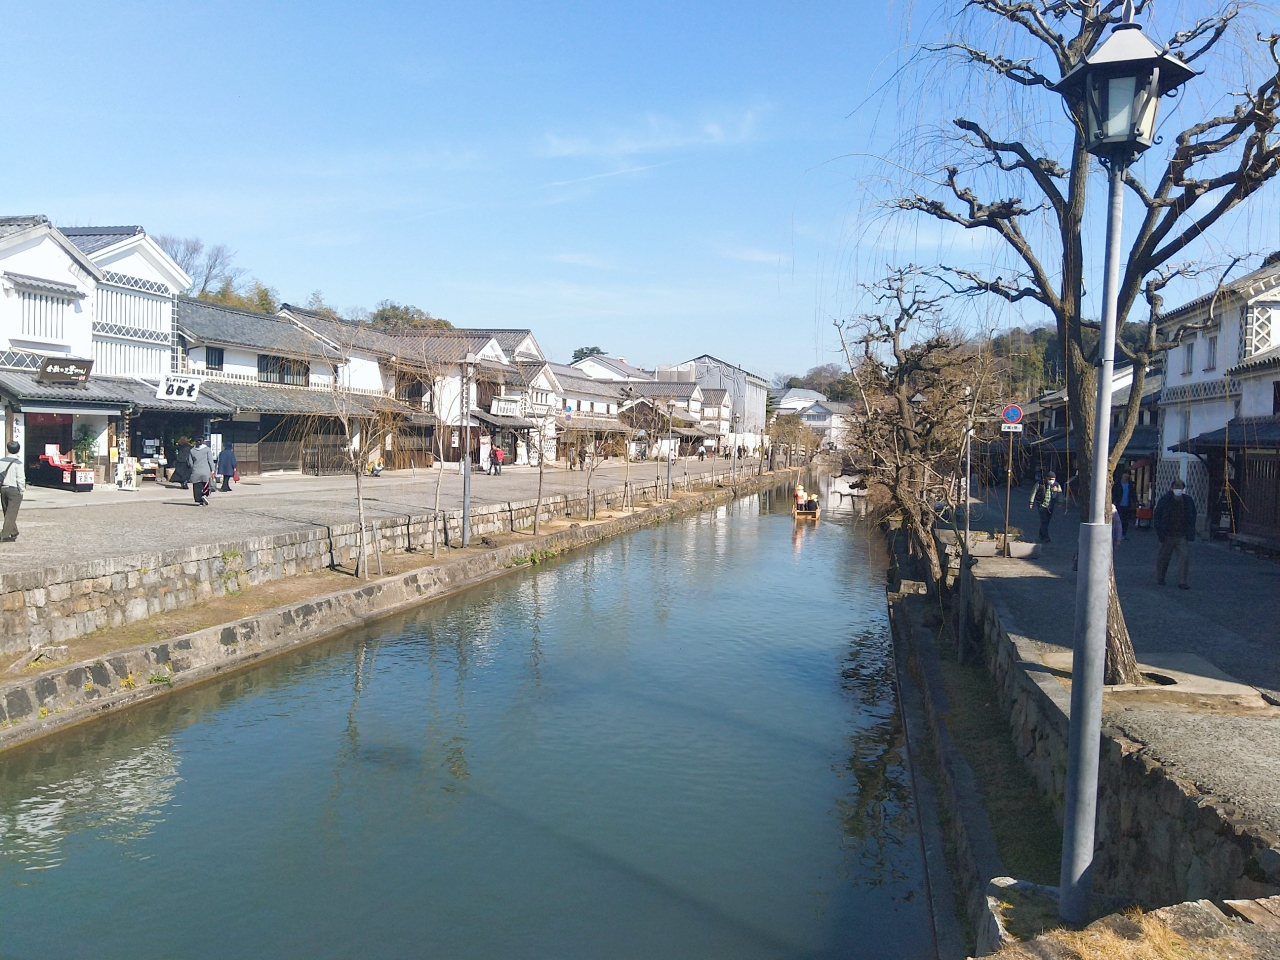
(1210, 168)
(917, 380)
(210, 268)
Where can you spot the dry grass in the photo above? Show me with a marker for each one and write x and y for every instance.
(1148, 939)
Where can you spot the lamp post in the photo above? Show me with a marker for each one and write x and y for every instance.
(1115, 93)
(733, 466)
(468, 369)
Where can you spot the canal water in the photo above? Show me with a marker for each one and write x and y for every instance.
(681, 743)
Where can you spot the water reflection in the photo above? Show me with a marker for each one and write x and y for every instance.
(118, 800)
(682, 743)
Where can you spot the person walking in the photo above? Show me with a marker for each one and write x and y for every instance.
(226, 467)
(1045, 498)
(202, 467)
(13, 481)
(181, 463)
(1122, 495)
(499, 455)
(1175, 524)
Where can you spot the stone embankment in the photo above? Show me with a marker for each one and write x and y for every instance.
(53, 699)
(1159, 839)
(42, 607)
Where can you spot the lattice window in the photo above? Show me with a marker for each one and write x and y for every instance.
(1257, 333)
(292, 373)
(44, 316)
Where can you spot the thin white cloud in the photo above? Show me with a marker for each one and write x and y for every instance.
(656, 134)
(610, 173)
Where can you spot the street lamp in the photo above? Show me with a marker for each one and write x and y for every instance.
(1117, 89)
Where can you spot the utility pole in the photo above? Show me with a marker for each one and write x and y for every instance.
(467, 371)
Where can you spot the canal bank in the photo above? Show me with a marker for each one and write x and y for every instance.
(50, 700)
(633, 750)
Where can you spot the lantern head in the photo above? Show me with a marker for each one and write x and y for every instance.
(1120, 85)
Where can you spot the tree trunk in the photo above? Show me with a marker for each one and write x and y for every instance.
(362, 561)
(1122, 665)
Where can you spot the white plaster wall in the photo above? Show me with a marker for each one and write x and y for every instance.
(360, 372)
(1256, 395)
(142, 260)
(44, 258)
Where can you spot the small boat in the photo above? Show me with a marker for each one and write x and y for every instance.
(800, 513)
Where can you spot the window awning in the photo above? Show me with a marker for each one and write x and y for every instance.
(511, 423)
(74, 411)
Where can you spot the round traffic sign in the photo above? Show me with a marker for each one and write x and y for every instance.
(1012, 413)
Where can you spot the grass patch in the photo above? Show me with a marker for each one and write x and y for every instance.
(1027, 835)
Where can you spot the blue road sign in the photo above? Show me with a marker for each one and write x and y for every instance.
(1012, 413)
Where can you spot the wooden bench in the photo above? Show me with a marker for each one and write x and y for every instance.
(1268, 546)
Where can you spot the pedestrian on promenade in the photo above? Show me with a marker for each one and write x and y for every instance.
(202, 466)
(181, 463)
(493, 461)
(1175, 523)
(499, 455)
(1045, 498)
(13, 481)
(1123, 496)
(226, 467)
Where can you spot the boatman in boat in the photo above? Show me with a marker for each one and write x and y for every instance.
(799, 497)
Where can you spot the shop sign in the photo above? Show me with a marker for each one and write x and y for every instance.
(62, 370)
(173, 387)
(504, 407)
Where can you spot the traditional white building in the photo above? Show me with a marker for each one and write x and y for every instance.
(96, 298)
(1221, 336)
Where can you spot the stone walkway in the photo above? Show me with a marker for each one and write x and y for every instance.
(59, 527)
(1230, 617)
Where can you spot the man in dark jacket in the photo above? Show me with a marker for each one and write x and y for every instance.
(1124, 496)
(226, 467)
(1175, 524)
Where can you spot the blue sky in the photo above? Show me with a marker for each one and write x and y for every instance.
(638, 177)
(661, 180)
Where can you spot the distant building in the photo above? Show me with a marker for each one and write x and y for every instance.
(748, 394)
(600, 367)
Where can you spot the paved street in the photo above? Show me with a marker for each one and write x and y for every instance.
(1230, 617)
(60, 527)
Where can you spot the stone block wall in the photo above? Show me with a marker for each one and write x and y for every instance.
(1159, 840)
(50, 606)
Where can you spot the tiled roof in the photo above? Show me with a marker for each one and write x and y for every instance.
(11, 225)
(714, 396)
(509, 338)
(266, 398)
(1259, 361)
(605, 389)
(206, 322)
(346, 333)
(440, 346)
(1249, 433)
(1270, 270)
(93, 239)
(143, 395)
(620, 366)
(22, 387)
(661, 388)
